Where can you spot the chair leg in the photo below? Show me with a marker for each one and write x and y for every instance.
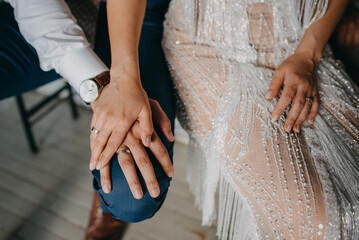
(73, 107)
(26, 124)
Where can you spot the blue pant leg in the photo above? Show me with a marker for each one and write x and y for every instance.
(19, 64)
(157, 83)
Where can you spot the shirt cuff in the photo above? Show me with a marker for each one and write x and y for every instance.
(80, 64)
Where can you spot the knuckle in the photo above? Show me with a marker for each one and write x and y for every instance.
(111, 145)
(133, 184)
(152, 183)
(126, 162)
(287, 96)
(162, 153)
(143, 162)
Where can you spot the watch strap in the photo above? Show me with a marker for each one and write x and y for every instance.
(103, 79)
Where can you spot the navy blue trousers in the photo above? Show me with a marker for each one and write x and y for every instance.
(20, 72)
(19, 65)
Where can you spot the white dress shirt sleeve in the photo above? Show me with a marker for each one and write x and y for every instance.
(60, 43)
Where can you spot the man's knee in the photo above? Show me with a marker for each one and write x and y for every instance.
(120, 201)
(136, 210)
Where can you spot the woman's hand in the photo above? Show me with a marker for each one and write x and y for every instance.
(120, 104)
(297, 75)
(132, 150)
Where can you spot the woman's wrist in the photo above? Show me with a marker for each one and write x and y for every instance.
(125, 69)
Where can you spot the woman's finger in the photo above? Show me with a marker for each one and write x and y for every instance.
(314, 110)
(160, 118)
(295, 110)
(284, 100)
(145, 166)
(129, 170)
(275, 84)
(114, 142)
(302, 116)
(161, 154)
(98, 142)
(105, 179)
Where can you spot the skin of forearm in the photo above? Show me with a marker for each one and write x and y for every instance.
(317, 35)
(125, 20)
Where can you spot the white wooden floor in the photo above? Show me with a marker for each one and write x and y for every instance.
(48, 195)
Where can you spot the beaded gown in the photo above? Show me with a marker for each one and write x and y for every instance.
(271, 184)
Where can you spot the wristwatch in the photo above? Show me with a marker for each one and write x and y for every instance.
(90, 89)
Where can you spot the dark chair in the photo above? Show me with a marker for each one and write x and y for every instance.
(27, 114)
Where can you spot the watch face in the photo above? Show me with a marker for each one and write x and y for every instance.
(88, 90)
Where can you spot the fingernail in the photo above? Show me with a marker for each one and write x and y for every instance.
(92, 167)
(268, 94)
(98, 166)
(297, 128)
(106, 188)
(170, 174)
(310, 121)
(275, 118)
(289, 127)
(155, 192)
(172, 137)
(137, 194)
(148, 141)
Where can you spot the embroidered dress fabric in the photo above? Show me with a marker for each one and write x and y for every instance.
(271, 184)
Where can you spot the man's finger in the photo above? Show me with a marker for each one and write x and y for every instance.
(145, 166)
(128, 167)
(105, 179)
(160, 117)
(161, 154)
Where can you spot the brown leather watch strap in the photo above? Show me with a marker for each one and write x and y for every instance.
(103, 79)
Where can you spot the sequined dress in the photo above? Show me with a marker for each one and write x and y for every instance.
(270, 184)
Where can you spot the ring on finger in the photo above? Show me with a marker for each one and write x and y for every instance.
(310, 99)
(95, 130)
(122, 151)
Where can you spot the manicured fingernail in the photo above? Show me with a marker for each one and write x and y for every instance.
(170, 174)
(155, 192)
(289, 127)
(98, 166)
(137, 194)
(275, 118)
(310, 121)
(92, 167)
(106, 188)
(148, 141)
(268, 94)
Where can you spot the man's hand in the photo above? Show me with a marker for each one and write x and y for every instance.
(120, 104)
(132, 150)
